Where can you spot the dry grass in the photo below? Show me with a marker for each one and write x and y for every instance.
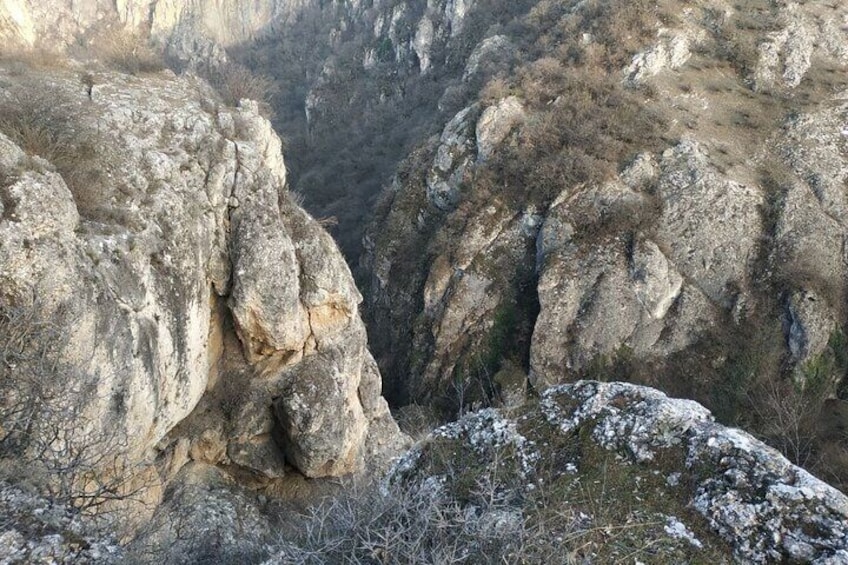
(411, 525)
(42, 121)
(235, 82)
(21, 59)
(128, 51)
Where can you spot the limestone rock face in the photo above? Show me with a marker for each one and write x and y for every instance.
(492, 52)
(495, 124)
(671, 52)
(722, 482)
(802, 33)
(214, 318)
(205, 516)
(32, 21)
(454, 158)
(469, 138)
(738, 217)
(468, 284)
(605, 284)
(698, 206)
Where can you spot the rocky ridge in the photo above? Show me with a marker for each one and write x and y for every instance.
(234, 337)
(236, 354)
(672, 469)
(589, 471)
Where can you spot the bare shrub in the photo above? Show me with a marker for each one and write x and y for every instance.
(788, 418)
(327, 221)
(235, 82)
(296, 197)
(46, 427)
(39, 121)
(129, 51)
(412, 525)
(416, 420)
(584, 125)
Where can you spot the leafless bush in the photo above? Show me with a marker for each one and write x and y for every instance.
(411, 525)
(129, 51)
(39, 121)
(416, 420)
(327, 221)
(788, 418)
(235, 82)
(296, 197)
(46, 426)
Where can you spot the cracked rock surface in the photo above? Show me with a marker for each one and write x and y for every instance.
(185, 282)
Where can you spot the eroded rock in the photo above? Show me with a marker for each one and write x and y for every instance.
(742, 496)
(217, 294)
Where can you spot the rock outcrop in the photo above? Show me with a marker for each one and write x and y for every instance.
(36, 529)
(200, 314)
(670, 470)
(31, 22)
(599, 293)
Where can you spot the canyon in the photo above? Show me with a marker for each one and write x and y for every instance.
(495, 213)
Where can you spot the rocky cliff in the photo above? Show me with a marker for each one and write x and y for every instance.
(32, 22)
(589, 472)
(614, 190)
(584, 189)
(640, 202)
(164, 301)
(603, 472)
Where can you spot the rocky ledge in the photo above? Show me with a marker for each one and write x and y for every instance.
(635, 465)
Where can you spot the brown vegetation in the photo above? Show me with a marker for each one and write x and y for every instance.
(44, 122)
(235, 82)
(128, 51)
(47, 430)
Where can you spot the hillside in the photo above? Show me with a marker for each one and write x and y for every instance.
(629, 190)
(530, 221)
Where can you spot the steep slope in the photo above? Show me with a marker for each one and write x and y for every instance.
(614, 189)
(163, 300)
(363, 83)
(588, 473)
(40, 22)
(583, 188)
(648, 192)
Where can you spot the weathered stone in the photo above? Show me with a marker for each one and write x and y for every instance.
(39, 530)
(495, 124)
(605, 286)
(700, 205)
(748, 495)
(146, 268)
(327, 441)
(671, 52)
